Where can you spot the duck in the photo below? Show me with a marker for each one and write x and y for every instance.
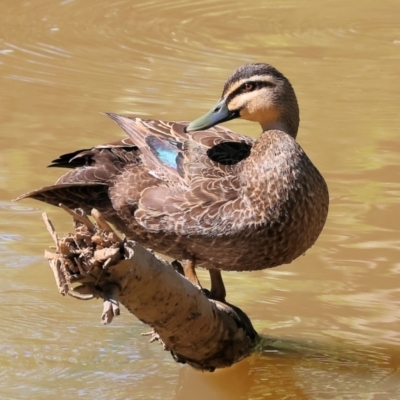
(201, 193)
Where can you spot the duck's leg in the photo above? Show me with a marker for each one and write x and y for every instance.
(189, 264)
(218, 291)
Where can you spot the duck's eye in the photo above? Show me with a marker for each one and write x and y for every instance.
(248, 86)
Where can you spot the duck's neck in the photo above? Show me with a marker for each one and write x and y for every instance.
(281, 125)
(286, 120)
(274, 126)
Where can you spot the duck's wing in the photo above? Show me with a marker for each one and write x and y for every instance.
(197, 174)
(159, 172)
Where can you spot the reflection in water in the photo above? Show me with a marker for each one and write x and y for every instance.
(61, 63)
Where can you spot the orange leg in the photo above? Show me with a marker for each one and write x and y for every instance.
(189, 264)
(218, 291)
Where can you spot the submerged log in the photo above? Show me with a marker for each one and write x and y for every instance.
(94, 262)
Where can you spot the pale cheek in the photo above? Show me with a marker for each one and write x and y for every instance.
(248, 113)
(260, 114)
(235, 104)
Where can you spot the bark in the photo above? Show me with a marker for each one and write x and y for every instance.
(94, 262)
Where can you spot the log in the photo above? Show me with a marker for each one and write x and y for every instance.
(94, 262)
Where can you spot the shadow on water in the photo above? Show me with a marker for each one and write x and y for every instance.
(283, 368)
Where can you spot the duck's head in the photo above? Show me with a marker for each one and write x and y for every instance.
(256, 92)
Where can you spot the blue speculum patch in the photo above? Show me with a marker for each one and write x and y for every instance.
(165, 151)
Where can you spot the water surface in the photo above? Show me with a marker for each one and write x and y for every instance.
(332, 317)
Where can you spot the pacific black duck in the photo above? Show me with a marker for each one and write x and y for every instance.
(201, 193)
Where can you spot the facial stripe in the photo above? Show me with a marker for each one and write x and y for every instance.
(240, 90)
(254, 78)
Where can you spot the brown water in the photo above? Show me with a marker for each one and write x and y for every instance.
(334, 315)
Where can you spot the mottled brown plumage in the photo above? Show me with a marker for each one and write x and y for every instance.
(202, 192)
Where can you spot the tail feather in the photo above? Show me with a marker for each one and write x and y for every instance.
(85, 196)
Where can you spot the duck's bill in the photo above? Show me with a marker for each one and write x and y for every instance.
(217, 115)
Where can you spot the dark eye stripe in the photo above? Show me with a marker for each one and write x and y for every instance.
(241, 89)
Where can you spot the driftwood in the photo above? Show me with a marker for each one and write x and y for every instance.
(95, 262)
